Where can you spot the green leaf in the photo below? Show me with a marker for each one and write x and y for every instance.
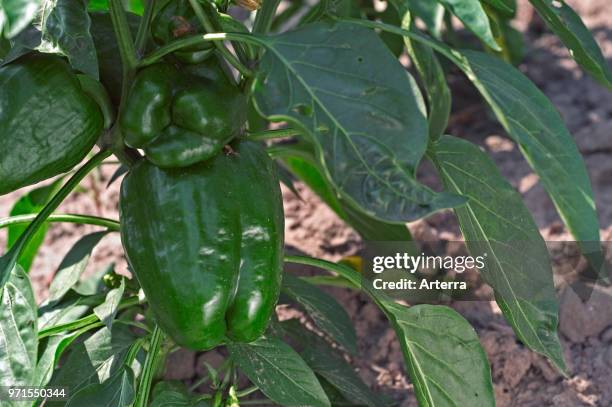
(434, 81)
(533, 122)
(568, 26)
(94, 360)
(443, 355)
(444, 358)
(32, 202)
(173, 394)
(496, 222)
(279, 372)
(18, 331)
(108, 309)
(340, 83)
(507, 7)
(325, 311)
(331, 366)
(15, 15)
(299, 158)
(117, 391)
(73, 265)
(53, 349)
(65, 31)
(430, 12)
(133, 6)
(473, 16)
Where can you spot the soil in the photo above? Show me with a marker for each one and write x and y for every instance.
(521, 378)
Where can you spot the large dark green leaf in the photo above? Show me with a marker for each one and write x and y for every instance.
(568, 26)
(300, 159)
(329, 364)
(340, 83)
(32, 202)
(15, 15)
(473, 16)
(443, 355)
(65, 30)
(279, 372)
(73, 265)
(18, 331)
(329, 316)
(496, 224)
(533, 122)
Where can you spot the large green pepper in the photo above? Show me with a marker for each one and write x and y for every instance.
(182, 116)
(47, 123)
(205, 243)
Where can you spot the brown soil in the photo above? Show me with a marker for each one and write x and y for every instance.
(521, 378)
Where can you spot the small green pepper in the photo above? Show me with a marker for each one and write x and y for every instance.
(182, 116)
(175, 20)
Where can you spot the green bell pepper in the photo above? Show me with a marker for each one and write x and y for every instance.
(182, 116)
(206, 244)
(176, 20)
(47, 122)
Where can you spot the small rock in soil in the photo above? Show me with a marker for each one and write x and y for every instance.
(180, 365)
(580, 320)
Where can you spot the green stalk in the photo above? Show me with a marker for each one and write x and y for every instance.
(84, 321)
(209, 27)
(150, 367)
(273, 134)
(110, 224)
(265, 16)
(127, 50)
(143, 28)
(161, 52)
(8, 261)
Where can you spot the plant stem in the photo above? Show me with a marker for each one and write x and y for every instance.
(110, 224)
(143, 28)
(127, 51)
(150, 367)
(273, 134)
(257, 402)
(246, 392)
(85, 321)
(209, 27)
(161, 52)
(264, 17)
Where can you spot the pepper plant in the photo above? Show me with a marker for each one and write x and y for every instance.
(191, 102)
